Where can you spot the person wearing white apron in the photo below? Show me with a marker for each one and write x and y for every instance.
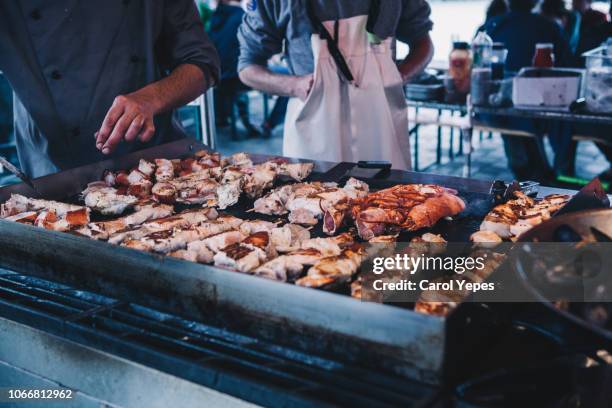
(354, 106)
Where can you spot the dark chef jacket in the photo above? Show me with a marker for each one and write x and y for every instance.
(68, 59)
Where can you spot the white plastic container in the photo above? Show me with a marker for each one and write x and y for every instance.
(598, 79)
(548, 88)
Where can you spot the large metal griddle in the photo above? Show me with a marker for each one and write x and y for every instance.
(323, 323)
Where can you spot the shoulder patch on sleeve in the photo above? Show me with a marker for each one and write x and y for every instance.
(250, 5)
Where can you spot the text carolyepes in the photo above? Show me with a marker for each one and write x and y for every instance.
(425, 285)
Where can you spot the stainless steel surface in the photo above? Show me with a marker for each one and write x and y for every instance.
(371, 335)
(31, 358)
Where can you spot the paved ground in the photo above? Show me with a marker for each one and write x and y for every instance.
(489, 160)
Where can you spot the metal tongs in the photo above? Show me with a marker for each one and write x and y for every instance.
(502, 192)
(24, 177)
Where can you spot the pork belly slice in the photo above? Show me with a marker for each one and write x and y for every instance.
(515, 217)
(329, 246)
(283, 268)
(334, 269)
(28, 217)
(228, 194)
(296, 171)
(164, 170)
(185, 255)
(199, 193)
(303, 216)
(208, 159)
(249, 227)
(182, 220)
(19, 204)
(103, 229)
(137, 177)
(486, 239)
(240, 257)
(289, 237)
(146, 167)
(259, 179)
(141, 190)
(274, 203)
(107, 200)
(237, 159)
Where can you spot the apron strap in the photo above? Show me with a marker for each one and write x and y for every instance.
(332, 43)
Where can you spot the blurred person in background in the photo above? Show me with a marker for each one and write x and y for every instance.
(347, 98)
(206, 8)
(520, 30)
(223, 30)
(593, 29)
(497, 8)
(569, 21)
(89, 76)
(589, 16)
(494, 9)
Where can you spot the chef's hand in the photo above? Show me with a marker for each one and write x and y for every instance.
(301, 86)
(130, 117)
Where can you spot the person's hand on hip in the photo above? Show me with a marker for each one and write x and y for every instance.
(301, 86)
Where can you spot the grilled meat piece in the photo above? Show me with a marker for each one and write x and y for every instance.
(515, 217)
(275, 202)
(240, 257)
(288, 237)
(253, 226)
(182, 220)
(339, 268)
(18, 204)
(297, 171)
(259, 179)
(104, 229)
(238, 159)
(205, 250)
(164, 170)
(403, 207)
(106, 200)
(228, 194)
(28, 217)
(329, 246)
(486, 239)
(164, 192)
(208, 159)
(146, 167)
(283, 268)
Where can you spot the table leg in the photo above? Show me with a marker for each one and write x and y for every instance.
(467, 139)
(439, 146)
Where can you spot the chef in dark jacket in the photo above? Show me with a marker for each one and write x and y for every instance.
(100, 77)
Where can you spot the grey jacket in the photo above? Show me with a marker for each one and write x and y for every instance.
(68, 59)
(271, 24)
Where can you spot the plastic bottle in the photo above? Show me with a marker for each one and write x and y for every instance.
(482, 47)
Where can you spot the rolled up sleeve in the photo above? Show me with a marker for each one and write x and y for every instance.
(184, 41)
(261, 34)
(414, 22)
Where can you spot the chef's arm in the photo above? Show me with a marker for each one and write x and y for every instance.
(131, 115)
(420, 54)
(261, 78)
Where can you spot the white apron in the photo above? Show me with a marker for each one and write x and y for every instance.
(341, 121)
